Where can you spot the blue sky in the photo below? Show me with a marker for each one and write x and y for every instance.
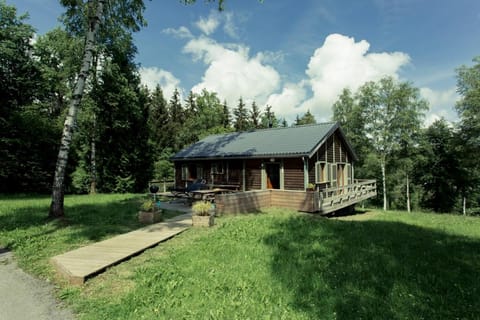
(298, 55)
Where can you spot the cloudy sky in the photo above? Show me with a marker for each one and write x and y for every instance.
(298, 55)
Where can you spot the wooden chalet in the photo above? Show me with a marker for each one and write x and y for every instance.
(308, 168)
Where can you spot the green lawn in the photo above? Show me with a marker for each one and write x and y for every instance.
(277, 265)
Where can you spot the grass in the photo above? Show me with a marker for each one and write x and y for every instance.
(26, 229)
(278, 265)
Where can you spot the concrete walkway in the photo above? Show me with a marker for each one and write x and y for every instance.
(80, 264)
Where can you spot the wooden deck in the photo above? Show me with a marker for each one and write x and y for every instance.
(80, 264)
(334, 199)
(324, 201)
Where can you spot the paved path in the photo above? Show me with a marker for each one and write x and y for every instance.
(23, 297)
(79, 264)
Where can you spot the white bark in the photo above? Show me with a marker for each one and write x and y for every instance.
(384, 185)
(56, 207)
(408, 195)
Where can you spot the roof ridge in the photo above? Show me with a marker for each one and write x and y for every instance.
(291, 127)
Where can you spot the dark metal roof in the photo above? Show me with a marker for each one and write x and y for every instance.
(295, 141)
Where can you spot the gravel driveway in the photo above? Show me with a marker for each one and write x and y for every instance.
(25, 297)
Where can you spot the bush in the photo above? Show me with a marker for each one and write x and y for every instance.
(148, 205)
(473, 211)
(201, 208)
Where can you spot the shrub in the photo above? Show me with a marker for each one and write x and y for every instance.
(201, 208)
(148, 205)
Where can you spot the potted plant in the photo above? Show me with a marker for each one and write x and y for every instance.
(149, 213)
(311, 187)
(202, 214)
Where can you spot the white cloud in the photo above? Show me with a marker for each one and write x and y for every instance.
(210, 24)
(182, 32)
(341, 62)
(441, 104)
(232, 73)
(153, 76)
(285, 104)
(229, 26)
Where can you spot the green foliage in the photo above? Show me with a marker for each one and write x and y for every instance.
(240, 114)
(26, 131)
(438, 168)
(383, 119)
(201, 208)
(468, 108)
(307, 118)
(255, 116)
(123, 184)
(148, 205)
(269, 120)
(80, 181)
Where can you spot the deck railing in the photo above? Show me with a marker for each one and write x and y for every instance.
(335, 198)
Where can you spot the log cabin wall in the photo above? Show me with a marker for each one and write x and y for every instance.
(253, 174)
(293, 174)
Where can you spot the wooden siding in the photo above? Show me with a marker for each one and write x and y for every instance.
(293, 174)
(325, 201)
(235, 172)
(330, 149)
(321, 154)
(242, 202)
(255, 201)
(253, 175)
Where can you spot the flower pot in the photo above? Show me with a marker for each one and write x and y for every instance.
(202, 221)
(150, 216)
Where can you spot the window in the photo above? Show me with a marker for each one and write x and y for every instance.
(322, 174)
(348, 167)
(217, 168)
(333, 175)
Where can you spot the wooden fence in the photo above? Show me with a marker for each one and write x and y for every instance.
(324, 201)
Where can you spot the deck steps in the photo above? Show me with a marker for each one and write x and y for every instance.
(80, 264)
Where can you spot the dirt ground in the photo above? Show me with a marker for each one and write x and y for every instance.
(25, 297)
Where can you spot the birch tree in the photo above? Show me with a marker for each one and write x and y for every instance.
(87, 18)
(393, 114)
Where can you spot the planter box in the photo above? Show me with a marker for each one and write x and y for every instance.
(202, 221)
(150, 216)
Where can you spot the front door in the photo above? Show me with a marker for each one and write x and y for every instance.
(273, 175)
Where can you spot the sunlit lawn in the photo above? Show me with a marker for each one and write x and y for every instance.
(276, 265)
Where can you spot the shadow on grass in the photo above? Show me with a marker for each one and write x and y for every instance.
(375, 270)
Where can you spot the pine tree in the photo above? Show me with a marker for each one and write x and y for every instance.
(240, 116)
(226, 120)
(269, 120)
(255, 120)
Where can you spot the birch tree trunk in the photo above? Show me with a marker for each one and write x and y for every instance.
(93, 159)
(408, 195)
(382, 164)
(58, 188)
